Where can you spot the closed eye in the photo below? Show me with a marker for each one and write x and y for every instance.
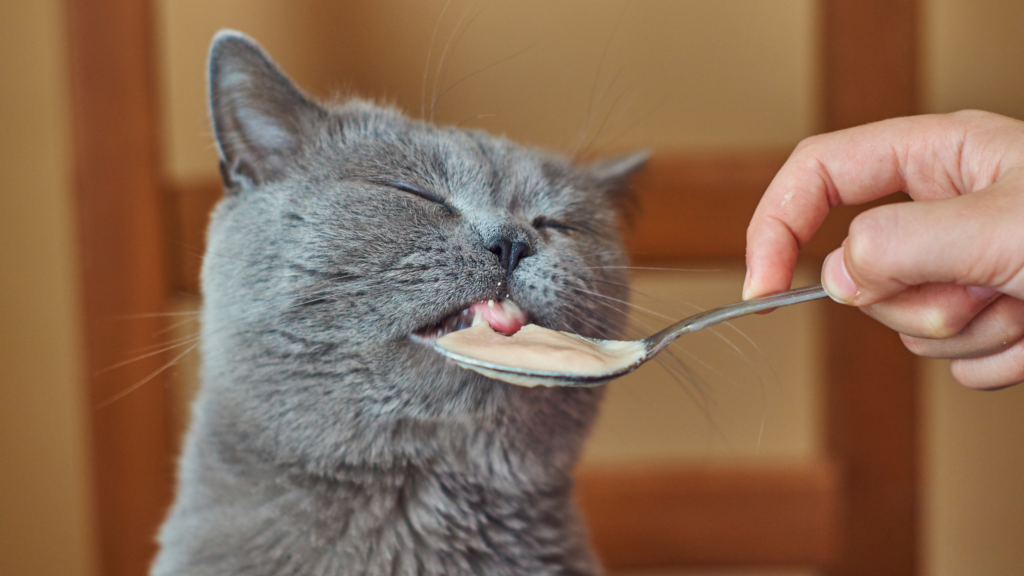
(543, 222)
(417, 191)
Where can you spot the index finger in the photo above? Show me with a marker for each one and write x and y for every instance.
(919, 155)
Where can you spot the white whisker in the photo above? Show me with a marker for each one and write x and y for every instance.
(138, 385)
(183, 342)
(430, 52)
(630, 304)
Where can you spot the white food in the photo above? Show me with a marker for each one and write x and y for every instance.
(535, 349)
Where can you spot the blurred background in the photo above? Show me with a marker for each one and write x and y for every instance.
(719, 90)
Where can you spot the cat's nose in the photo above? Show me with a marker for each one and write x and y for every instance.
(509, 253)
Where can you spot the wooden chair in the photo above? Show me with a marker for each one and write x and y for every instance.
(853, 512)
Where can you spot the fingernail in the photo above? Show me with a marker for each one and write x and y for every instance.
(836, 279)
(746, 284)
(981, 292)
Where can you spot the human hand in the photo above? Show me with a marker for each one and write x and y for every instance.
(945, 271)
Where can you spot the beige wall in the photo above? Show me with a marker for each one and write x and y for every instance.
(663, 74)
(303, 35)
(44, 510)
(974, 55)
(573, 75)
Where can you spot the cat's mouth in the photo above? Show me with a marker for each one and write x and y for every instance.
(504, 316)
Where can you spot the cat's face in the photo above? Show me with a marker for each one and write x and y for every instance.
(351, 237)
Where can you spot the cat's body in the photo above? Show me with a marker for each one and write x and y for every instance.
(328, 438)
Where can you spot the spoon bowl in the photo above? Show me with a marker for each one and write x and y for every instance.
(625, 357)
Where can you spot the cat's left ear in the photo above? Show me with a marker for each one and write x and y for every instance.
(615, 173)
(260, 118)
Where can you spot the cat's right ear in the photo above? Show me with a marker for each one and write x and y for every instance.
(260, 119)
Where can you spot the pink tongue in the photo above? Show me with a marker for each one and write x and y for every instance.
(504, 317)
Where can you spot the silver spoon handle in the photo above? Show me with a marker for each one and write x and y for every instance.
(725, 313)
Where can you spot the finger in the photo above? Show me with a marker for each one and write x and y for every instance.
(932, 310)
(992, 372)
(995, 329)
(970, 240)
(846, 167)
(929, 157)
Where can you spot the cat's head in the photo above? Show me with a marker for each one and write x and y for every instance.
(350, 236)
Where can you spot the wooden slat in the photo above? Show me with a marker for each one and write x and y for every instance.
(698, 205)
(871, 415)
(870, 73)
(869, 61)
(691, 206)
(121, 242)
(712, 515)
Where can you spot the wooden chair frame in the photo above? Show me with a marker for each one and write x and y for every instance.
(854, 512)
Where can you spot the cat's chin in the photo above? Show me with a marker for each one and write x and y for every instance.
(504, 316)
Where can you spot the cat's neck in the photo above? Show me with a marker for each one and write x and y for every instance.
(364, 519)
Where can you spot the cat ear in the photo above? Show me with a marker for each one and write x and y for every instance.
(616, 172)
(614, 176)
(259, 116)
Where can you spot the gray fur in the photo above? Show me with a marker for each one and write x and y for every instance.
(325, 440)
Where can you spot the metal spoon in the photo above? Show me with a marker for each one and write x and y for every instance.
(648, 347)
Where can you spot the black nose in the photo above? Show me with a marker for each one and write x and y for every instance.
(509, 253)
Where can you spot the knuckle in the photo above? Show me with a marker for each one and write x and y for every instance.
(806, 144)
(868, 242)
(937, 322)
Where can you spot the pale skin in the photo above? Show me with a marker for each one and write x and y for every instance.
(946, 271)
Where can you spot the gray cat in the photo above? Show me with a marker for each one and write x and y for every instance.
(328, 438)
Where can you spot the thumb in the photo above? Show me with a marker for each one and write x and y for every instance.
(971, 240)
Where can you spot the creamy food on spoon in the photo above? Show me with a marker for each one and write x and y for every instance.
(499, 339)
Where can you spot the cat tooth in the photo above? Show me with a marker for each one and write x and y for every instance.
(466, 311)
(490, 303)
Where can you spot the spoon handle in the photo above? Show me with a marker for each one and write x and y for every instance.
(725, 313)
